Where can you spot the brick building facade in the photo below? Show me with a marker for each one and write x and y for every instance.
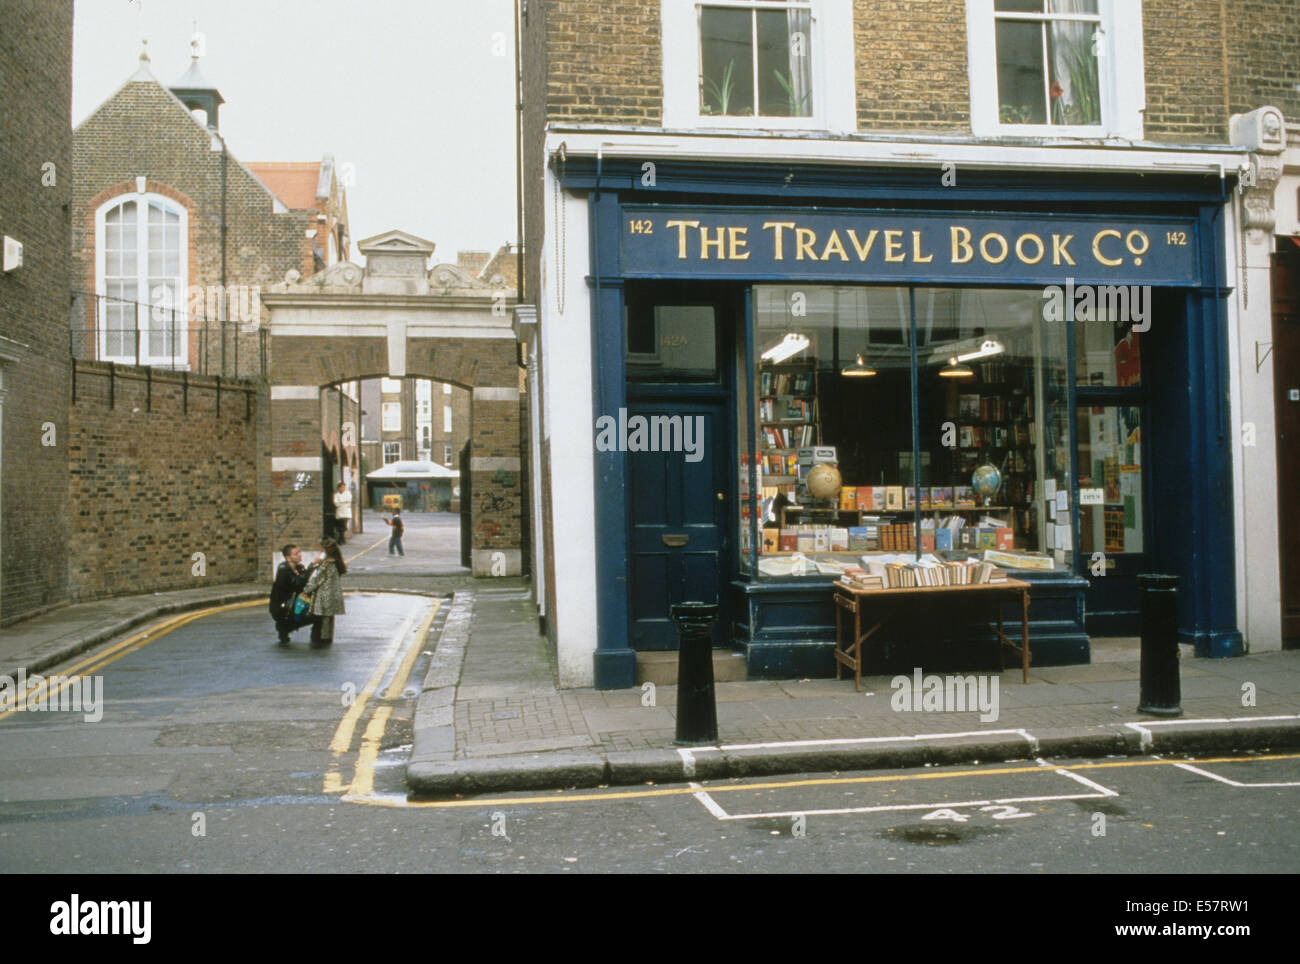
(635, 117)
(229, 234)
(35, 192)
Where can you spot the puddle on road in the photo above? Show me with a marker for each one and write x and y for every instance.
(939, 835)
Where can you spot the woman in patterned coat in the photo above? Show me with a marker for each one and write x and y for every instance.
(324, 581)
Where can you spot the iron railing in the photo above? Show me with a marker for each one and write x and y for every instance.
(101, 328)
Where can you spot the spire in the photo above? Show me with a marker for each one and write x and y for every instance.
(143, 72)
(193, 89)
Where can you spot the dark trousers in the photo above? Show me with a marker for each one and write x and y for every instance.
(340, 530)
(395, 540)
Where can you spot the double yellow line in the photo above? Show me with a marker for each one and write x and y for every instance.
(101, 658)
(363, 777)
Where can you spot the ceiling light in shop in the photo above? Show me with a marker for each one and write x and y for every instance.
(791, 344)
(859, 369)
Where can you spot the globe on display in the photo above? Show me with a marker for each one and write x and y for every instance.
(824, 481)
(986, 481)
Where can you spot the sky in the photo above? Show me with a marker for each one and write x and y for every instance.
(416, 95)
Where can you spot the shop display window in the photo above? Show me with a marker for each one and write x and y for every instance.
(896, 423)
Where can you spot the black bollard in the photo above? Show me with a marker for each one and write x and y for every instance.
(697, 712)
(1160, 689)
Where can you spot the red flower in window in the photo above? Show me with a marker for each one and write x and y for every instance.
(1057, 89)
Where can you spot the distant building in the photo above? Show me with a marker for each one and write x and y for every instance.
(175, 239)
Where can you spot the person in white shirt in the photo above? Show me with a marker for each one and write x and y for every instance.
(342, 512)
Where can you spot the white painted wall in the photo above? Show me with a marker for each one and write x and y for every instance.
(1259, 600)
(567, 389)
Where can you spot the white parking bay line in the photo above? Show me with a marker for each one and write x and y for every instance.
(1101, 792)
(1230, 782)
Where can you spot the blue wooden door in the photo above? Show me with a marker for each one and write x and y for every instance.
(679, 504)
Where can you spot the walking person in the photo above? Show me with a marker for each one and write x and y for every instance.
(325, 583)
(395, 523)
(342, 512)
(290, 577)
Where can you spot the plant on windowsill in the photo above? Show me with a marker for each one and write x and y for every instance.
(1085, 97)
(797, 106)
(1016, 114)
(719, 92)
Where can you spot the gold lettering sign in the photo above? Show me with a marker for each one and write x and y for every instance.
(968, 244)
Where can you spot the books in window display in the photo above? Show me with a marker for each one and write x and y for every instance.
(773, 383)
(780, 437)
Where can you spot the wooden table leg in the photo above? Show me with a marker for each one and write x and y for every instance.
(1002, 636)
(1024, 634)
(839, 638)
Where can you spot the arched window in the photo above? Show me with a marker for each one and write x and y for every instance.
(142, 245)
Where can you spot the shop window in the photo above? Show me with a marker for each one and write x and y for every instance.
(142, 264)
(1108, 353)
(671, 343)
(758, 63)
(849, 473)
(1110, 479)
(1056, 67)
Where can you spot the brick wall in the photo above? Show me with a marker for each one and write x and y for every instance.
(623, 38)
(160, 471)
(1185, 69)
(1264, 56)
(910, 64)
(36, 91)
(592, 61)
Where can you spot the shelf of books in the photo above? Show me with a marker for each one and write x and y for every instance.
(994, 424)
(788, 421)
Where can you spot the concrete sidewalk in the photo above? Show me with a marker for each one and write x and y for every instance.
(490, 718)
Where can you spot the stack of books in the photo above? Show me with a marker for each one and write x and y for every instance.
(855, 577)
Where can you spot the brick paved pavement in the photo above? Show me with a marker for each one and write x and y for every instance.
(507, 702)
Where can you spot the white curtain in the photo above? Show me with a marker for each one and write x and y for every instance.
(800, 25)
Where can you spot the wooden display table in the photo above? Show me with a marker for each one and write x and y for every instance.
(858, 601)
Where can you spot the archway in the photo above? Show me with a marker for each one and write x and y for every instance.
(394, 318)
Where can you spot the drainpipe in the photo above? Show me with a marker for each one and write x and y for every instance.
(519, 160)
(221, 310)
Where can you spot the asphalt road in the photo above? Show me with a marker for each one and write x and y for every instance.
(219, 751)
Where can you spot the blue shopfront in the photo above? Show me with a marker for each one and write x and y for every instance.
(800, 371)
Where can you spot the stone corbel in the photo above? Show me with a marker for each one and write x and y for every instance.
(1264, 133)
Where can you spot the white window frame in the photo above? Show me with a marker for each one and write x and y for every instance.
(390, 386)
(392, 452)
(446, 418)
(144, 306)
(446, 454)
(831, 47)
(390, 418)
(1120, 75)
(446, 388)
